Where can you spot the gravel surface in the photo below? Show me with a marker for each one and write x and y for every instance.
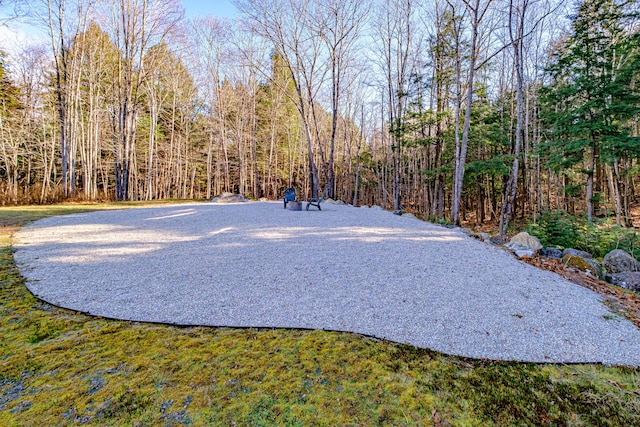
(362, 270)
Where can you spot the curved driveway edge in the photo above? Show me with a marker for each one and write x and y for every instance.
(347, 269)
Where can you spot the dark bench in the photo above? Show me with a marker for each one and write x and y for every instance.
(314, 201)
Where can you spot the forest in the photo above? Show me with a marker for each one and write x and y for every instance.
(459, 111)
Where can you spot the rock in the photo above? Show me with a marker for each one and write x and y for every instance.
(339, 202)
(618, 261)
(587, 265)
(229, 198)
(524, 253)
(521, 250)
(408, 215)
(524, 245)
(627, 279)
(376, 207)
(551, 253)
(525, 238)
(576, 252)
(329, 200)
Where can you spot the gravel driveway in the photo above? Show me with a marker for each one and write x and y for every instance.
(346, 269)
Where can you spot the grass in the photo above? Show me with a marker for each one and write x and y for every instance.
(58, 367)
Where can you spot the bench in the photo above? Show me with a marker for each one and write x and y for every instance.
(314, 201)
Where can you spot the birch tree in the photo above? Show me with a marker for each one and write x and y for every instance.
(286, 24)
(395, 31)
(340, 24)
(477, 12)
(134, 26)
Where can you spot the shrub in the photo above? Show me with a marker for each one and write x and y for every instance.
(556, 228)
(560, 229)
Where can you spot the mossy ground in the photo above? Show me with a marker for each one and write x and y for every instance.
(58, 367)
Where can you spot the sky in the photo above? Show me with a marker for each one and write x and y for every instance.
(16, 34)
(219, 8)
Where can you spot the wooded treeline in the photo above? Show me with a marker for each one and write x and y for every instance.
(459, 110)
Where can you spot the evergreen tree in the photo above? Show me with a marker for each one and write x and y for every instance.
(8, 91)
(592, 97)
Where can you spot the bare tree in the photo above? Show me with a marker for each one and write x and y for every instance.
(477, 10)
(65, 21)
(394, 29)
(339, 24)
(286, 24)
(134, 25)
(518, 14)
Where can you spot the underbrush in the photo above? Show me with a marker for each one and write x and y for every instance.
(58, 367)
(563, 230)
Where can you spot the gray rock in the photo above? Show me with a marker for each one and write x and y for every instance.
(524, 253)
(408, 215)
(520, 250)
(627, 279)
(586, 265)
(618, 261)
(229, 198)
(576, 252)
(525, 238)
(524, 245)
(551, 253)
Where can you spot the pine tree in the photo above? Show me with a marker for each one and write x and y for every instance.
(592, 97)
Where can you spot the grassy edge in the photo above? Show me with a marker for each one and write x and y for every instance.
(58, 367)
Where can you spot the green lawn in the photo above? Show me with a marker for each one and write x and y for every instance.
(58, 367)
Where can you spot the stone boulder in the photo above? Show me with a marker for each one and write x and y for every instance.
(524, 245)
(551, 253)
(618, 261)
(586, 265)
(526, 239)
(521, 250)
(576, 252)
(627, 279)
(229, 198)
